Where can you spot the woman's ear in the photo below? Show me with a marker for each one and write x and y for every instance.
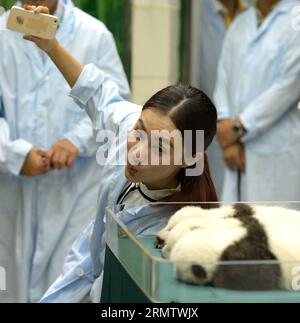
(193, 160)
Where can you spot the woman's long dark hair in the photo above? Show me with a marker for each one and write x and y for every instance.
(190, 109)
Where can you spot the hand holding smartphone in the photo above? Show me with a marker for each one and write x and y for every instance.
(40, 25)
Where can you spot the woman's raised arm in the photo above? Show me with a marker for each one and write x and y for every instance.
(65, 62)
(92, 90)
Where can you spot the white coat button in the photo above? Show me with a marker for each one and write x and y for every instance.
(43, 114)
(46, 78)
(40, 189)
(80, 272)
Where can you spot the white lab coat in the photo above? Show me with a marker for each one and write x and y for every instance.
(46, 214)
(212, 31)
(259, 81)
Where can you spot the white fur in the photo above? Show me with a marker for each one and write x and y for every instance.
(284, 243)
(190, 224)
(190, 212)
(203, 247)
(277, 216)
(282, 226)
(217, 231)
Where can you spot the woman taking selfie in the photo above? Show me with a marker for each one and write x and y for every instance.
(176, 108)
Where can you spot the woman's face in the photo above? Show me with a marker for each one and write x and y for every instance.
(150, 156)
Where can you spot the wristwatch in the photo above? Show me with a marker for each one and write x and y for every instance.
(238, 128)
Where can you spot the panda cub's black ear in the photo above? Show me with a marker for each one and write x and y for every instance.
(159, 243)
(199, 272)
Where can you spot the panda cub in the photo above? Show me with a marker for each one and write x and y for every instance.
(188, 213)
(207, 246)
(190, 224)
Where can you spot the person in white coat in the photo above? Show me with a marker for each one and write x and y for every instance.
(256, 96)
(215, 18)
(48, 171)
(137, 135)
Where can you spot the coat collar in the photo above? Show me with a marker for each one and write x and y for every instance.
(220, 9)
(283, 7)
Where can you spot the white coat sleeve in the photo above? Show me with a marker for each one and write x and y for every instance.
(272, 105)
(12, 152)
(220, 97)
(76, 280)
(99, 95)
(82, 135)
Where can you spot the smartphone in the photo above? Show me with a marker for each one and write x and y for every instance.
(29, 23)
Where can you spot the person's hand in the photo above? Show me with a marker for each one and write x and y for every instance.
(226, 135)
(44, 44)
(62, 154)
(234, 157)
(35, 164)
